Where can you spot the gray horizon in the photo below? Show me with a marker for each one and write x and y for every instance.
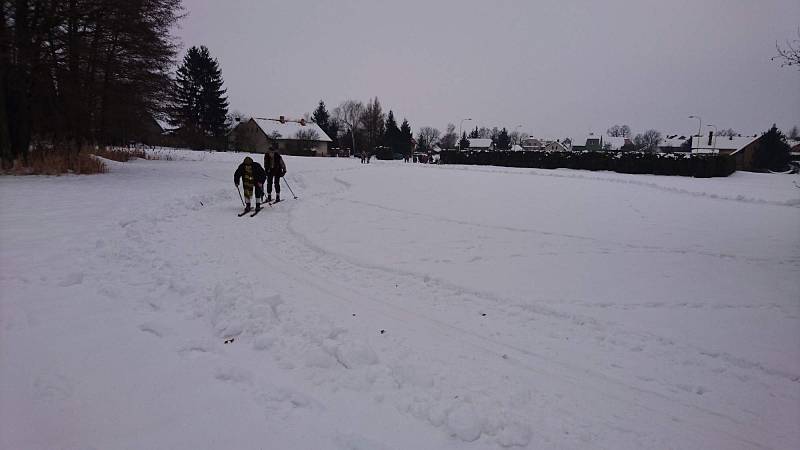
(549, 69)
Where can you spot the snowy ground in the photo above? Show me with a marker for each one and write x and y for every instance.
(398, 306)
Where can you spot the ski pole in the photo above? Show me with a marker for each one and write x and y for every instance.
(290, 188)
(240, 194)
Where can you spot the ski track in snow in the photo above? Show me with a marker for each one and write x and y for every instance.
(482, 368)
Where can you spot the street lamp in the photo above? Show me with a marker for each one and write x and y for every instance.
(459, 132)
(714, 140)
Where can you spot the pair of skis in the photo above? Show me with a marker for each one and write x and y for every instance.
(257, 210)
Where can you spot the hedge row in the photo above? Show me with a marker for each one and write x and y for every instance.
(684, 164)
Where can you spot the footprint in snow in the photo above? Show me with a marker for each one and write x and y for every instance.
(153, 328)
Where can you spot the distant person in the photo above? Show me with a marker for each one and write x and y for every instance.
(363, 157)
(276, 168)
(252, 175)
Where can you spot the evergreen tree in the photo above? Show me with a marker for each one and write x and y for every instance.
(391, 137)
(772, 151)
(200, 105)
(503, 140)
(322, 118)
(406, 137)
(464, 142)
(474, 134)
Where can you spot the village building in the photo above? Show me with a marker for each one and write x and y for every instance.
(674, 144)
(741, 147)
(479, 144)
(542, 145)
(598, 142)
(256, 135)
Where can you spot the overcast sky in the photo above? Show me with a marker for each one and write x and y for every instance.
(557, 67)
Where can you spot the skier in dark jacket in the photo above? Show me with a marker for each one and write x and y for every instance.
(276, 168)
(252, 175)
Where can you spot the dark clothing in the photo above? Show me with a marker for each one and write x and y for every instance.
(277, 182)
(274, 165)
(252, 175)
(276, 168)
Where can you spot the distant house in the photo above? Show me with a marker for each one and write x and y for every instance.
(533, 144)
(741, 147)
(257, 134)
(674, 144)
(598, 142)
(720, 144)
(555, 146)
(542, 145)
(794, 145)
(478, 144)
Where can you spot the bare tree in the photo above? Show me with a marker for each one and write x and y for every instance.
(790, 54)
(619, 131)
(647, 141)
(427, 137)
(306, 135)
(794, 134)
(449, 139)
(518, 137)
(233, 118)
(727, 133)
(373, 121)
(349, 113)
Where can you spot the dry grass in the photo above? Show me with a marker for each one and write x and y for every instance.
(50, 162)
(45, 160)
(121, 155)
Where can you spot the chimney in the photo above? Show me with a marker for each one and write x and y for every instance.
(710, 137)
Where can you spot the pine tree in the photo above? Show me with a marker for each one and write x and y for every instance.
(475, 134)
(772, 152)
(200, 106)
(464, 142)
(391, 137)
(503, 140)
(322, 118)
(406, 137)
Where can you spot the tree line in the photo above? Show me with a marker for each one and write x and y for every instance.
(75, 73)
(364, 127)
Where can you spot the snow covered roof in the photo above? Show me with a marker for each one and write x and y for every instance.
(732, 143)
(517, 148)
(673, 141)
(288, 130)
(479, 143)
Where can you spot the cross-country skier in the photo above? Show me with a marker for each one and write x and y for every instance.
(276, 168)
(252, 175)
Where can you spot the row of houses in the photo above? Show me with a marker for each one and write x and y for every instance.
(741, 147)
(301, 138)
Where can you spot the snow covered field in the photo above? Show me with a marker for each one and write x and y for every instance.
(398, 306)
